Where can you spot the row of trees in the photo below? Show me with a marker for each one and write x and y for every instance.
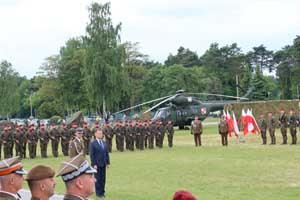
(97, 73)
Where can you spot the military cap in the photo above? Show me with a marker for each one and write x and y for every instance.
(40, 172)
(75, 167)
(11, 165)
(79, 130)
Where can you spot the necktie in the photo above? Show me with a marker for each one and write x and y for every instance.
(101, 144)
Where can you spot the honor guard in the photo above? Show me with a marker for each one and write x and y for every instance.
(54, 136)
(293, 126)
(170, 133)
(43, 136)
(283, 122)
(262, 123)
(271, 124)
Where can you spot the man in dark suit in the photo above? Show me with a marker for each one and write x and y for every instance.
(99, 161)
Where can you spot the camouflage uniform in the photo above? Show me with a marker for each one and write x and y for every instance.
(87, 135)
(19, 139)
(65, 140)
(131, 137)
(32, 140)
(7, 140)
(293, 128)
(108, 132)
(119, 131)
(141, 136)
(263, 129)
(54, 136)
(271, 127)
(223, 131)
(283, 122)
(43, 135)
(152, 133)
(170, 133)
(126, 136)
(23, 131)
(196, 130)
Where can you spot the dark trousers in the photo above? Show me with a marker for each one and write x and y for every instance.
(197, 138)
(224, 139)
(170, 140)
(293, 132)
(109, 144)
(100, 177)
(284, 135)
(264, 137)
(272, 135)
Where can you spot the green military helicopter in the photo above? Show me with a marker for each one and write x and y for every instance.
(182, 107)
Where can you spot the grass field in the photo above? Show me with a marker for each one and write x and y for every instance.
(244, 171)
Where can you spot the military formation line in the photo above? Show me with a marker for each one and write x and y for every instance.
(129, 135)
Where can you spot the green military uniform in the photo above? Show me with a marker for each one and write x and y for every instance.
(196, 130)
(170, 133)
(271, 127)
(108, 132)
(87, 135)
(119, 131)
(223, 131)
(12, 142)
(54, 136)
(263, 129)
(65, 140)
(283, 122)
(141, 136)
(126, 136)
(23, 131)
(146, 134)
(76, 147)
(131, 137)
(293, 128)
(32, 140)
(7, 140)
(43, 136)
(152, 133)
(19, 138)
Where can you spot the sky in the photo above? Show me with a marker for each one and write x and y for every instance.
(32, 30)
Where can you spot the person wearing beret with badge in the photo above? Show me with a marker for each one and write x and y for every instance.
(41, 182)
(78, 177)
(11, 178)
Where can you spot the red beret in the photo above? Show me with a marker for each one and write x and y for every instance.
(183, 195)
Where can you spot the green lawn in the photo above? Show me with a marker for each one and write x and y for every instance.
(244, 171)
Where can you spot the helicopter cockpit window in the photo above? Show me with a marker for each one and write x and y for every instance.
(160, 114)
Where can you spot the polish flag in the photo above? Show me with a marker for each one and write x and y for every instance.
(250, 124)
(235, 125)
(230, 123)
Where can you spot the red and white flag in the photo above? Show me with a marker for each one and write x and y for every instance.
(235, 125)
(230, 123)
(250, 124)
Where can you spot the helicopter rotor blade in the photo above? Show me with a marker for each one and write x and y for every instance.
(164, 101)
(161, 98)
(218, 95)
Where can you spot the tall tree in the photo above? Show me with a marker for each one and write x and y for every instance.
(104, 74)
(9, 80)
(184, 57)
(262, 57)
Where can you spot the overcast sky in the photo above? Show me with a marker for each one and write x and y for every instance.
(32, 30)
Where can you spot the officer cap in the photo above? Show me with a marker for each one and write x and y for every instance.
(79, 130)
(40, 172)
(74, 168)
(10, 166)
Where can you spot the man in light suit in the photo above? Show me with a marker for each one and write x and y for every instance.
(99, 161)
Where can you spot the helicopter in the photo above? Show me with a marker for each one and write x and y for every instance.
(182, 107)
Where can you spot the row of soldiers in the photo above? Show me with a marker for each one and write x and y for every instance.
(128, 136)
(139, 135)
(284, 121)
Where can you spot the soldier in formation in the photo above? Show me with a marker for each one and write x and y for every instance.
(54, 136)
(293, 127)
(43, 136)
(271, 125)
(283, 122)
(65, 139)
(263, 128)
(87, 135)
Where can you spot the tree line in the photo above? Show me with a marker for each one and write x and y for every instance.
(97, 73)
